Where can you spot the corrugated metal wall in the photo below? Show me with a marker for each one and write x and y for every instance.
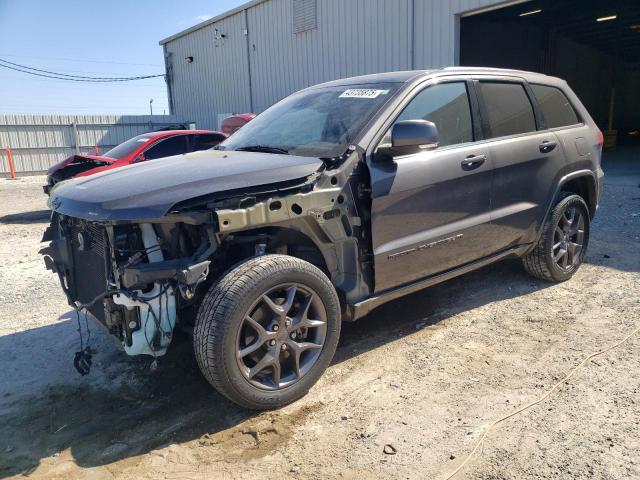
(39, 141)
(220, 67)
(261, 60)
(351, 39)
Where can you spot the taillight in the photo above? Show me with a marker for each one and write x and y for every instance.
(600, 138)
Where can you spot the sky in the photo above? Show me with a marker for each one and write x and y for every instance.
(92, 38)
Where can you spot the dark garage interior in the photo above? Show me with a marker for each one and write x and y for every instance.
(594, 45)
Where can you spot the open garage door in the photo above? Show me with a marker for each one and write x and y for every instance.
(593, 44)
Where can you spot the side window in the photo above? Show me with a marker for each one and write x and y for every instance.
(508, 109)
(165, 148)
(446, 105)
(207, 141)
(555, 106)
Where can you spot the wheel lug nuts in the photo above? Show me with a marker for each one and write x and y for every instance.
(275, 327)
(287, 322)
(272, 343)
(284, 347)
(293, 335)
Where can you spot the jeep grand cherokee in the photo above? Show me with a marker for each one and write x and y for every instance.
(340, 197)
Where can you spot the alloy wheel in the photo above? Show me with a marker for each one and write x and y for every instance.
(568, 238)
(281, 336)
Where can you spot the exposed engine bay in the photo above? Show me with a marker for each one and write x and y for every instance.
(119, 276)
(140, 279)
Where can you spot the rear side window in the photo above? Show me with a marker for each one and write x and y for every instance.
(446, 105)
(508, 109)
(206, 141)
(555, 106)
(165, 148)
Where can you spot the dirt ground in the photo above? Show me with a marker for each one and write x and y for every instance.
(425, 374)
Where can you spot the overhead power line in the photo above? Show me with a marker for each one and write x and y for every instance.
(80, 60)
(65, 76)
(75, 76)
(44, 83)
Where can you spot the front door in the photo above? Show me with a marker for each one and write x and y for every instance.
(431, 210)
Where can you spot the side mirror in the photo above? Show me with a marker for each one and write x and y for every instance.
(140, 158)
(411, 136)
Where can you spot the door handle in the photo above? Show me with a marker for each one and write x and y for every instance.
(473, 161)
(547, 146)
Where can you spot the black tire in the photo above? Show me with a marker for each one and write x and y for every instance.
(542, 261)
(221, 323)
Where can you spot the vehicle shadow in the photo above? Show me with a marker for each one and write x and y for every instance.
(26, 218)
(131, 411)
(402, 317)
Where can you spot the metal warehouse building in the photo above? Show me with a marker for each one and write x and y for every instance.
(252, 56)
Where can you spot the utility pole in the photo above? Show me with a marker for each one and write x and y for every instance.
(151, 106)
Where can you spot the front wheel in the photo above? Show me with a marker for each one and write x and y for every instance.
(267, 330)
(563, 244)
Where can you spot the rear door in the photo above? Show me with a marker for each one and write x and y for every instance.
(559, 115)
(526, 160)
(430, 210)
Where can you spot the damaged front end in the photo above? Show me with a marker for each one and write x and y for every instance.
(137, 248)
(72, 166)
(132, 279)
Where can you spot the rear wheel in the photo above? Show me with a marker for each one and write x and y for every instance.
(563, 244)
(267, 330)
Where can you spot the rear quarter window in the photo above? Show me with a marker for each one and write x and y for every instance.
(508, 109)
(555, 106)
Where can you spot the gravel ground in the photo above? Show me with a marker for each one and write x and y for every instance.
(425, 374)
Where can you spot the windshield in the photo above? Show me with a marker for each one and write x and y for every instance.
(321, 122)
(128, 147)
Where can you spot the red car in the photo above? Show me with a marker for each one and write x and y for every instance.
(230, 124)
(147, 146)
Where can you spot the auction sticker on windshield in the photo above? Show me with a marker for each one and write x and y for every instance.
(362, 93)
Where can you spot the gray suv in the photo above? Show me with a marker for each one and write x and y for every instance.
(335, 200)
